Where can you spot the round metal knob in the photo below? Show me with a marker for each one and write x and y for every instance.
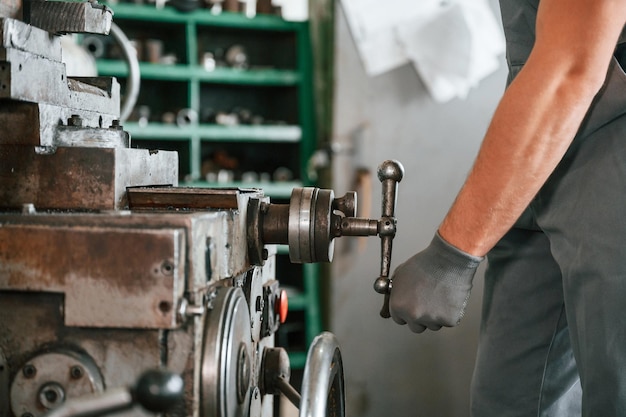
(382, 285)
(158, 390)
(390, 170)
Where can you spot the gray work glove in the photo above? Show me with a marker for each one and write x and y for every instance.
(431, 289)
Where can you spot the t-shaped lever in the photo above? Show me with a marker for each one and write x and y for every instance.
(314, 218)
(390, 173)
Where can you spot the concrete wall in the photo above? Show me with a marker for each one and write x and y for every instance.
(390, 371)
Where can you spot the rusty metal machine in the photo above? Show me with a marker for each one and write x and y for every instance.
(109, 270)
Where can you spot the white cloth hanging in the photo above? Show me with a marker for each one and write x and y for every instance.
(452, 45)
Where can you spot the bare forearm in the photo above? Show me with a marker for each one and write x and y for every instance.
(536, 120)
(529, 134)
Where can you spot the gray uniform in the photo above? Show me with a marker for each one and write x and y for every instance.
(553, 333)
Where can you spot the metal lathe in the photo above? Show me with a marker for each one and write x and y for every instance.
(122, 293)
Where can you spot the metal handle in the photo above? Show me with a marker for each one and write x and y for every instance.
(133, 80)
(156, 390)
(390, 173)
(323, 393)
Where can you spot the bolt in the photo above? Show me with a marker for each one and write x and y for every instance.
(75, 120)
(115, 124)
(167, 268)
(265, 254)
(29, 371)
(76, 372)
(260, 303)
(28, 208)
(51, 395)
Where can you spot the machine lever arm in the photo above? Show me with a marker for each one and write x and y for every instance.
(156, 390)
(390, 173)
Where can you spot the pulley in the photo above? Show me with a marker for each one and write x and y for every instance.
(227, 356)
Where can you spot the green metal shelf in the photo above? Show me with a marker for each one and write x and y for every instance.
(182, 72)
(258, 77)
(241, 133)
(202, 17)
(159, 131)
(114, 68)
(297, 360)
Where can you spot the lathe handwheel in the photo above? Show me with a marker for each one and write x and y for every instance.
(323, 393)
(227, 357)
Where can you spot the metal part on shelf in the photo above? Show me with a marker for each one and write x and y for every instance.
(94, 45)
(237, 57)
(186, 117)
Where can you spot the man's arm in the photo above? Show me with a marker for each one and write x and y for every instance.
(536, 119)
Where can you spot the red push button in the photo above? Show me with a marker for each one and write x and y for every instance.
(282, 306)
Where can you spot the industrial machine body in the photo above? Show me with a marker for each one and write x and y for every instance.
(109, 269)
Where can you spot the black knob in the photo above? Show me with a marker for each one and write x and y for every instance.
(158, 390)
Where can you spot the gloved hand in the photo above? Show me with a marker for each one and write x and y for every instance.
(431, 289)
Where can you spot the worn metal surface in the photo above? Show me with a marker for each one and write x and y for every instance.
(113, 137)
(111, 277)
(79, 178)
(71, 17)
(215, 240)
(187, 198)
(31, 324)
(122, 354)
(215, 253)
(18, 35)
(51, 378)
(40, 124)
(31, 71)
(19, 69)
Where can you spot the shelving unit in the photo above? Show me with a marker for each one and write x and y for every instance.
(281, 77)
(277, 84)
